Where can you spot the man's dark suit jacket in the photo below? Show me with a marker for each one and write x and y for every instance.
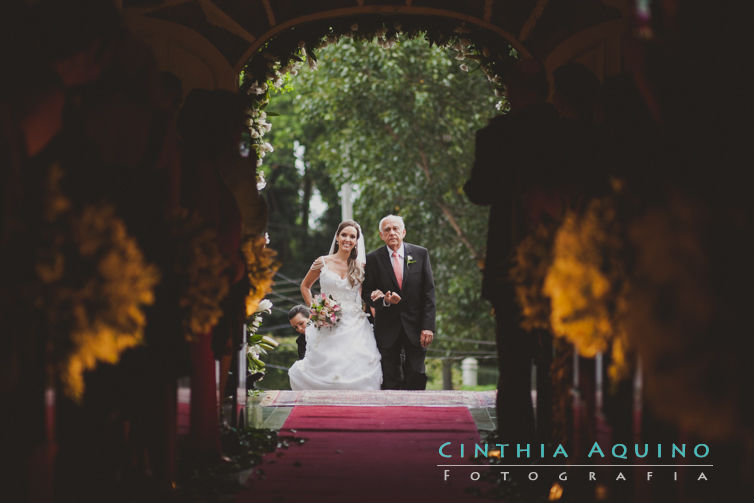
(301, 346)
(416, 310)
(513, 153)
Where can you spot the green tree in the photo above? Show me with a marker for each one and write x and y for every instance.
(291, 184)
(399, 123)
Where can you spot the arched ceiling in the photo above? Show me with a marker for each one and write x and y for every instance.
(237, 28)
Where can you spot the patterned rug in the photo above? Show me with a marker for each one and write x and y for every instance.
(449, 398)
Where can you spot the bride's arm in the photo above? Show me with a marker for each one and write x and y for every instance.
(367, 304)
(309, 279)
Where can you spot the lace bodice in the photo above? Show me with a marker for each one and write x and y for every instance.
(349, 297)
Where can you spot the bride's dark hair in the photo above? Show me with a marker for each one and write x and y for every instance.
(355, 273)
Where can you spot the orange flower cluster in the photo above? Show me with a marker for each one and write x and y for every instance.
(261, 267)
(587, 283)
(203, 272)
(93, 286)
(531, 262)
(690, 295)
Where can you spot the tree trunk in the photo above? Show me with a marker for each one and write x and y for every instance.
(306, 201)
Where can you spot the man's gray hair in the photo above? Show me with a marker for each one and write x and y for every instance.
(394, 217)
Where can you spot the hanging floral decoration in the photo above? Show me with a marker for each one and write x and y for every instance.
(688, 303)
(561, 379)
(258, 344)
(587, 283)
(531, 261)
(261, 267)
(92, 287)
(200, 273)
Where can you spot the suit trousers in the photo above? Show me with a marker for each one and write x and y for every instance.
(515, 348)
(409, 374)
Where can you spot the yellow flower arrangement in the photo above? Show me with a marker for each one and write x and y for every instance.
(532, 260)
(587, 284)
(689, 313)
(261, 267)
(93, 285)
(201, 272)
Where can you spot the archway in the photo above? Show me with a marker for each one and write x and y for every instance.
(232, 34)
(257, 38)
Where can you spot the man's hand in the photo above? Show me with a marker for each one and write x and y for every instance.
(392, 298)
(426, 338)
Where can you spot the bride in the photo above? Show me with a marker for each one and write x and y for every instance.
(344, 356)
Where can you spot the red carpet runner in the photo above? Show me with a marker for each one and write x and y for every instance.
(367, 454)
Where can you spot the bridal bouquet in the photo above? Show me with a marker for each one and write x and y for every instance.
(325, 311)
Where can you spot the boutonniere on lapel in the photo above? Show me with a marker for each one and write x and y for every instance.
(410, 260)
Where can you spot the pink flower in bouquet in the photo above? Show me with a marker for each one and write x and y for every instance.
(325, 311)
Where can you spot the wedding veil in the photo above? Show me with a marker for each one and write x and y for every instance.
(361, 253)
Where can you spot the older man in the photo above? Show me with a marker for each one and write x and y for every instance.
(400, 288)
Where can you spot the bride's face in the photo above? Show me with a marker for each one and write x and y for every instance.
(347, 238)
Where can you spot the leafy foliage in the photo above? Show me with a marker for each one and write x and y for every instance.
(399, 124)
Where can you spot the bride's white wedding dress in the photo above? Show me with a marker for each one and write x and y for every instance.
(344, 356)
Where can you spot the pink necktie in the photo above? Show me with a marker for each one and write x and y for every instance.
(397, 269)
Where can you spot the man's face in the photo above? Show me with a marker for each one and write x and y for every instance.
(392, 233)
(299, 323)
